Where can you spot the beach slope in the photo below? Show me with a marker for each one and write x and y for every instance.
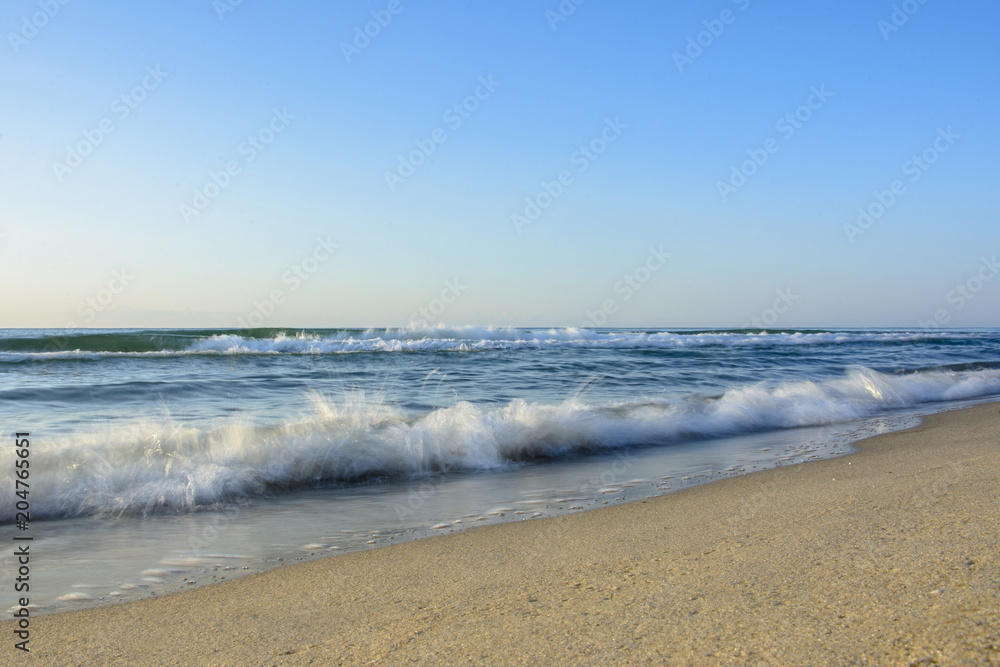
(886, 556)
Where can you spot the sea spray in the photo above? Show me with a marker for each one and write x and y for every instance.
(145, 467)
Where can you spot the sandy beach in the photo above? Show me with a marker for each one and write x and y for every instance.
(887, 556)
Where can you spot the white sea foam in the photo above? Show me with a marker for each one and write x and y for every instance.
(147, 467)
(474, 339)
(469, 339)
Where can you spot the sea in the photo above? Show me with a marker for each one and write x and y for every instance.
(161, 459)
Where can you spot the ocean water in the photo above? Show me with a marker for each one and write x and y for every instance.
(162, 459)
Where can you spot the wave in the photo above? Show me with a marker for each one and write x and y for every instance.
(145, 467)
(82, 345)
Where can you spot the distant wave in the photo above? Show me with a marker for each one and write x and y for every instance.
(83, 345)
(146, 467)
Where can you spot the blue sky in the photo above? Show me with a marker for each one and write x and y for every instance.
(739, 138)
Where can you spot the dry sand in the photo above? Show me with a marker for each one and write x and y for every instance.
(886, 557)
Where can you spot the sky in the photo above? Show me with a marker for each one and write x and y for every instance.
(223, 163)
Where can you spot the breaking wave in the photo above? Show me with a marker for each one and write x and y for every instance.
(83, 344)
(145, 467)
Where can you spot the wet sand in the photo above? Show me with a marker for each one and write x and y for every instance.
(887, 556)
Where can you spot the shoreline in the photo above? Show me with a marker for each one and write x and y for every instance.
(886, 554)
(203, 548)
